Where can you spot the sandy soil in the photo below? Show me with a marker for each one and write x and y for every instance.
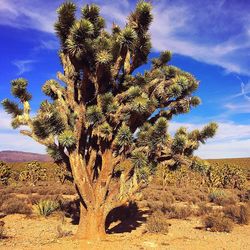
(41, 233)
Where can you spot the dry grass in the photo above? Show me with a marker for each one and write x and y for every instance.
(238, 214)
(203, 209)
(15, 205)
(177, 212)
(156, 223)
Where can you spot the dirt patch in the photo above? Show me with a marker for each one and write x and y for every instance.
(41, 233)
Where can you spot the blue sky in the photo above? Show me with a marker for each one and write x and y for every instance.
(209, 38)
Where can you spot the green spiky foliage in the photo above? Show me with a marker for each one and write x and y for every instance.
(5, 173)
(104, 113)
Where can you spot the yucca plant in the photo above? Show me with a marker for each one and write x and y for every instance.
(104, 113)
(46, 207)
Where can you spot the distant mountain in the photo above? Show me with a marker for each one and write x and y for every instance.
(18, 156)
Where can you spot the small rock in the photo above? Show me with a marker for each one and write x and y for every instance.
(2, 215)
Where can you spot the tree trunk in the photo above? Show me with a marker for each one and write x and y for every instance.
(92, 224)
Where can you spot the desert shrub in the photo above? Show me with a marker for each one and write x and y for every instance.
(220, 176)
(33, 173)
(15, 205)
(34, 199)
(46, 207)
(244, 196)
(155, 205)
(203, 209)
(221, 198)
(177, 212)
(218, 223)
(156, 223)
(234, 177)
(62, 174)
(5, 173)
(4, 197)
(239, 214)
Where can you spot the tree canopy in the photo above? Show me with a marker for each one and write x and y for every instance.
(105, 119)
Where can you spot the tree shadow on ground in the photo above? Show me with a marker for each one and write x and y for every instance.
(120, 220)
(71, 210)
(128, 218)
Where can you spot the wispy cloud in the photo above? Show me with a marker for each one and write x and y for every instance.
(50, 44)
(240, 102)
(23, 65)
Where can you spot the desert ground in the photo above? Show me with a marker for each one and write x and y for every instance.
(182, 208)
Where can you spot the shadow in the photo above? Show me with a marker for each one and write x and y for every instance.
(128, 218)
(71, 210)
(199, 228)
(119, 220)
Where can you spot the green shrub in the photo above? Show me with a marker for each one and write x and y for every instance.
(156, 223)
(46, 207)
(5, 173)
(218, 223)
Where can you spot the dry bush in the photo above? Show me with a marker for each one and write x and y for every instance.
(239, 214)
(156, 223)
(26, 190)
(218, 223)
(15, 205)
(189, 194)
(34, 199)
(5, 197)
(244, 196)
(203, 209)
(56, 190)
(177, 212)
(221, 198)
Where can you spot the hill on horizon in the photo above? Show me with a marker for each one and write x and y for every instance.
(19, 156)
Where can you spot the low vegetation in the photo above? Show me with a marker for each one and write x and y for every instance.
(218, 223)
(172, 194)
(46, 207)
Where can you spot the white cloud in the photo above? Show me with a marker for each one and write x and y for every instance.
(12, 140)
(231, 149)
(16, 141)
(231, 140)
(177, 26)
(4, 120)
(23, 66)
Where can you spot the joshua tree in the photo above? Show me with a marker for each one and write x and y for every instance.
(33, 173)
(5, 173)
(105, 121)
